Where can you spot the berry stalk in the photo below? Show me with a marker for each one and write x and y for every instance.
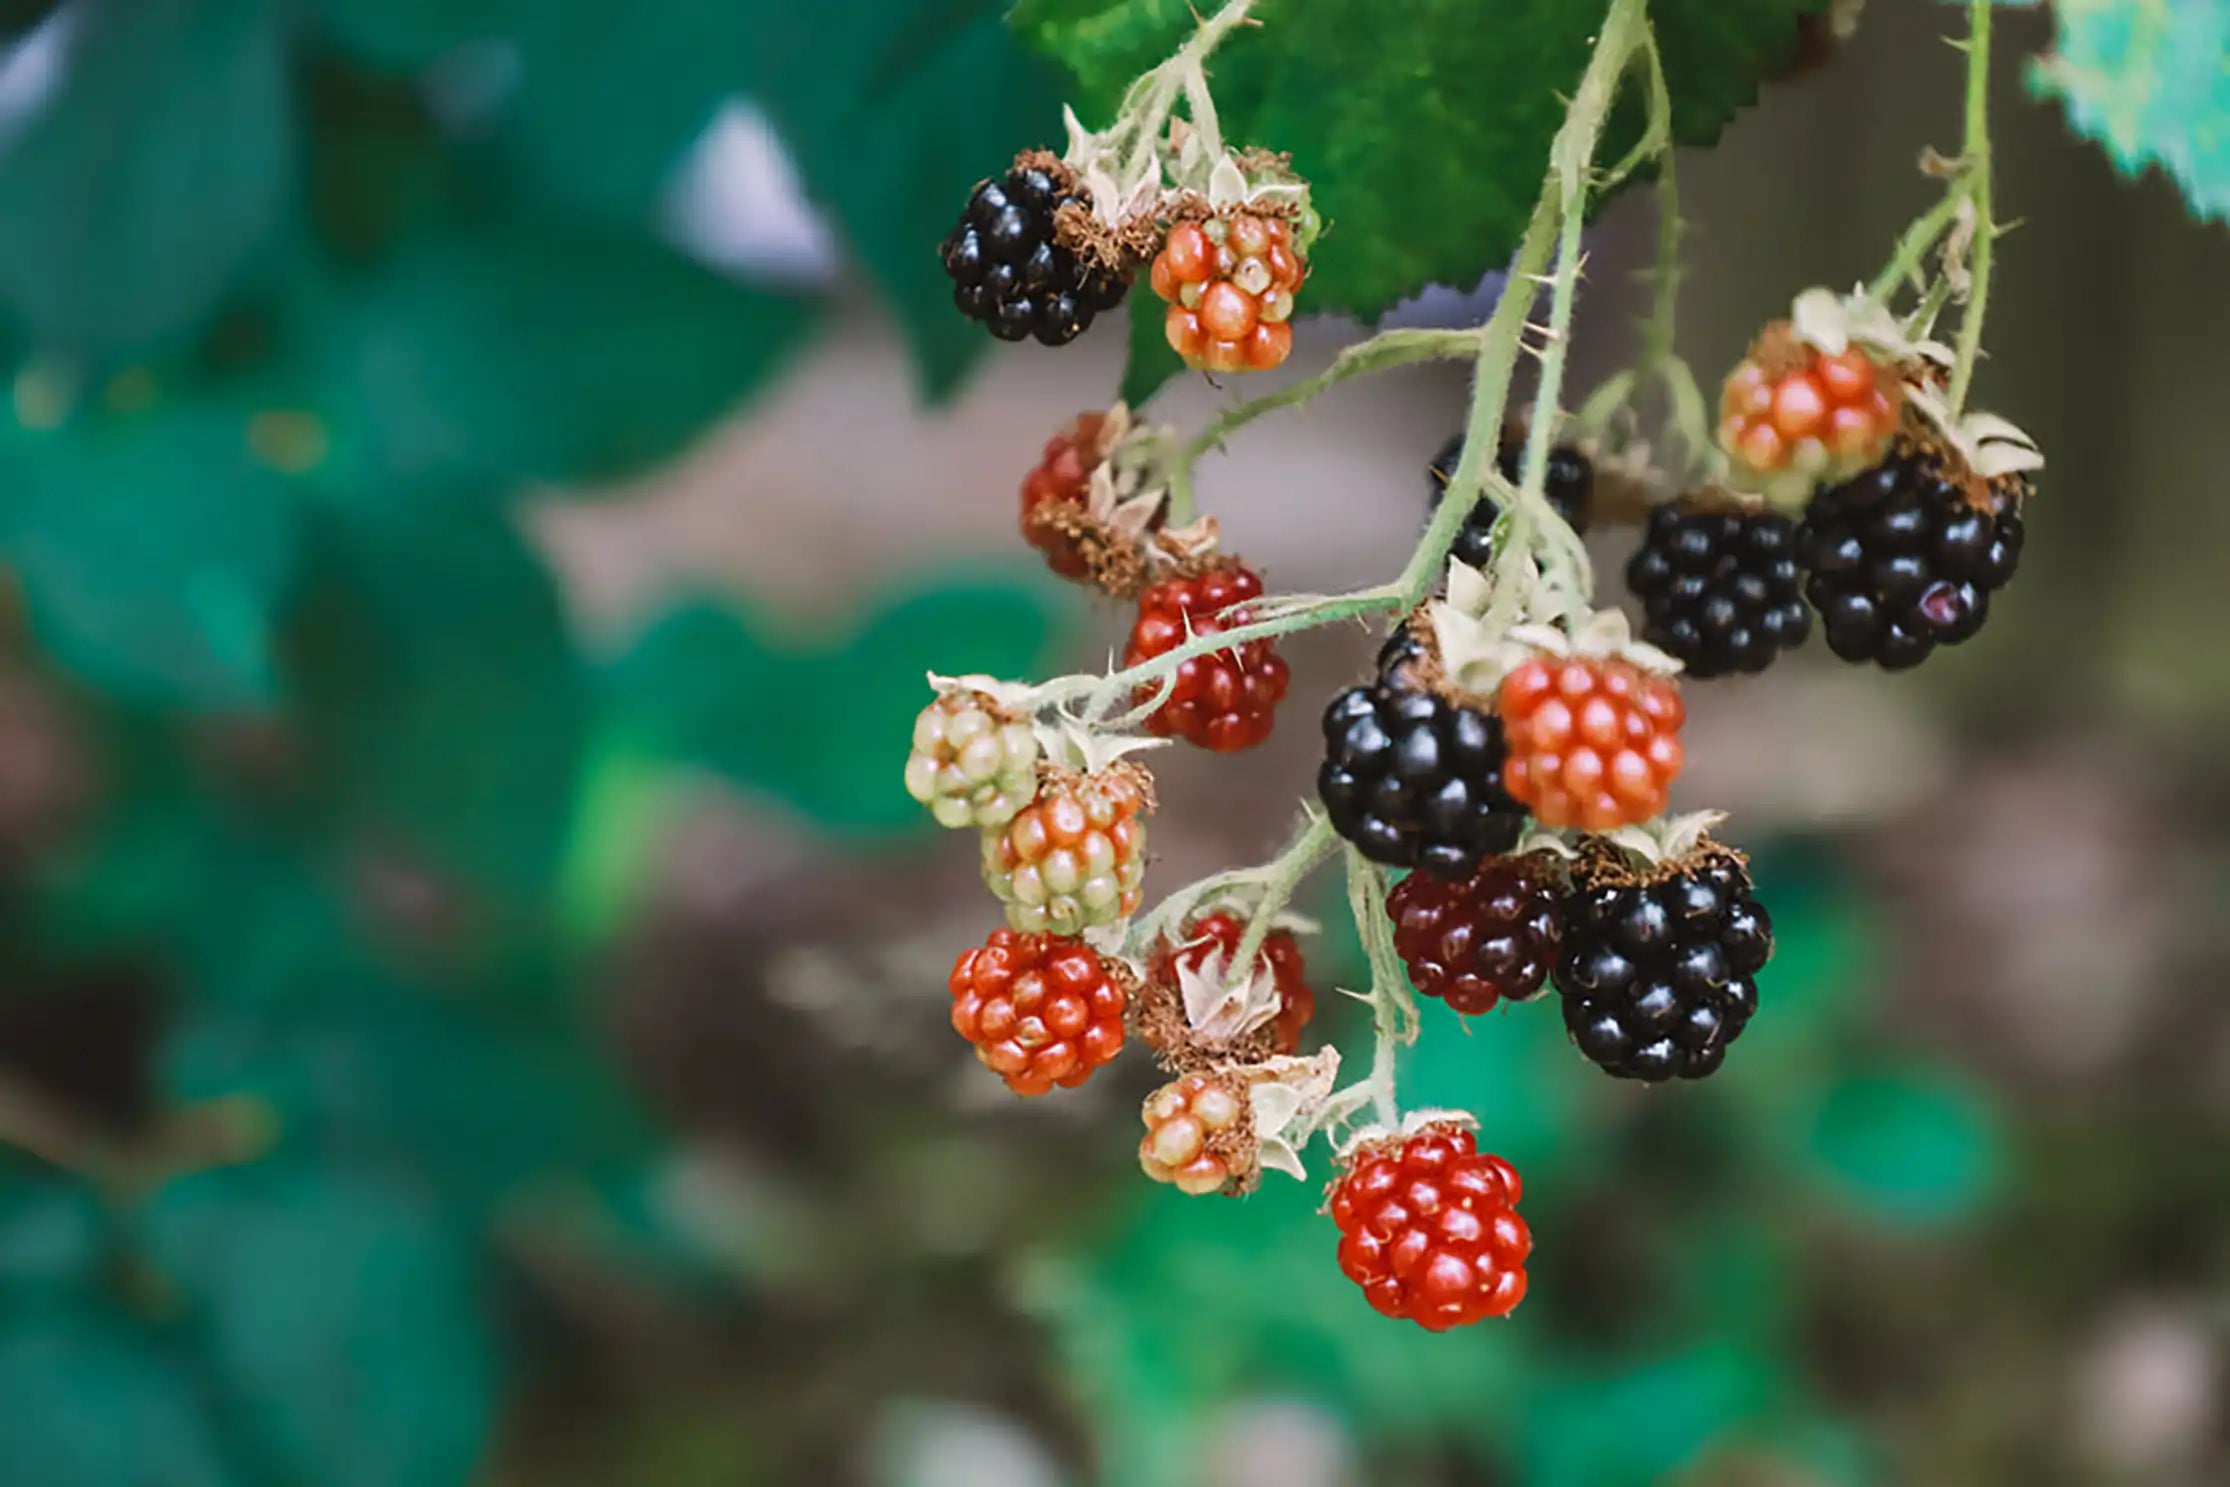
(1312, 845)
(1394, 1019)
(1976, 148)
(1393, 348)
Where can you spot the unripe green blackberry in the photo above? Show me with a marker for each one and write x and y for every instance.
(973, 764)
(1074, 857)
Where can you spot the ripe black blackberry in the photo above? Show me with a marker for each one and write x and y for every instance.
(1721, 589)
(1657, 974)
(1412, 779)
(1009, 272)
(1901, 562)
(1567, 483)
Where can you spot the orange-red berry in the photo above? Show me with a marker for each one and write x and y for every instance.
(1822, 420)
(1226, 699)
(1230, 283)
(1075, 856)
(1041, 1009)
(1593, 743)
(1429, 1228)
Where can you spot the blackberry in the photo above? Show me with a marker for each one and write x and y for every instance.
(1721, 589)
(1414, 780)
(1569, 478)
(1491, 938)
(1657, 976)
(1901, 562)
(1009, 272)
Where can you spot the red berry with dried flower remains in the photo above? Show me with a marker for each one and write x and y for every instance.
(1429, 1228)
(1216, 936)
(1225, 700)
(1062, 477)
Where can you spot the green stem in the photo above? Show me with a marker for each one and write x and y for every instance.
(1393, 1011)
(1922, 235)
(1285, 872)
(1976, 148)
(1393, 348)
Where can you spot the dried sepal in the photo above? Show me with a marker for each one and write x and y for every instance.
(1292, 1099)
(1992, 448)
(1833, 323)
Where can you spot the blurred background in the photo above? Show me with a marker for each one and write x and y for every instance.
(480, 485)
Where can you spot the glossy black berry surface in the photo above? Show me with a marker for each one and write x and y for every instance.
(1567, 483)
(1722, 590)
(1900, 563)
(1008, 272)
(1658, 979)
(1414, 780)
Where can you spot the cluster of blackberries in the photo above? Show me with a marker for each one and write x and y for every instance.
(1902, 562)
(1721, 589)
(1656, 971)
(1568, 483)
(1412, 779)
(1009, 270)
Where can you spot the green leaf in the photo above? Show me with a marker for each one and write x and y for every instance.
(445, 706)
(343, 1325)
(2147, 80)
(895, 109)
(1425, 137)
(88, 1400)
(153, 550)
(822, 723)
(545, 346)
(1910, 1145)
(131, 199)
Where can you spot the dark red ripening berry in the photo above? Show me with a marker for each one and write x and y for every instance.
(1063, 476)
(1492, 937)
(1225, 700)
(1429, 1228)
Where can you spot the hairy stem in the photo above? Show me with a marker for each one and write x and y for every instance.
(1393, 348)
(1976, 147)
(1285, 873)
(1921, 236)
(1393, 1011)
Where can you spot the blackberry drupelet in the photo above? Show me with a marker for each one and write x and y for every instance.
(1413, 780)
(1567, 484)
(1721, 589)
(1490, 938)
(1901, 562)
(1009, 272)
(1657, 976)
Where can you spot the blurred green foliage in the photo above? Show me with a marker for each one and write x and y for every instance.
(300, 303)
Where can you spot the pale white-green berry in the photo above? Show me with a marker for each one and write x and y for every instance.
(972, 764)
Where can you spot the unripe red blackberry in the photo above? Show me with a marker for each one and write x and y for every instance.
(1593, 742)
(1568, 482)
(1062, 477)
(1414, 780)
(1429, 1228)
(1225, 700)
(1657, 972)
(1721, 589)
(1042, 1010)
(1008, 268)
(1903, 561)
(1492, 937)
(1792, 415)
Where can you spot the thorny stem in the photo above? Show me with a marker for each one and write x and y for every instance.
(1310, 846)
(1393, 348)
(1147, 104)
(1918, 238)
(1394, 1018)
(1976, 148)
